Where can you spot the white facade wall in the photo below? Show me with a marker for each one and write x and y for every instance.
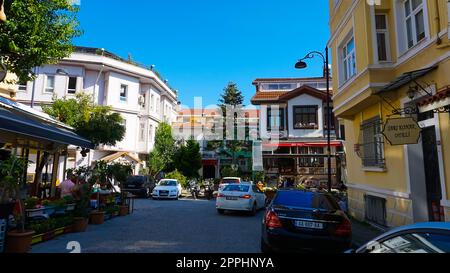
(305, 100)
(105, 82)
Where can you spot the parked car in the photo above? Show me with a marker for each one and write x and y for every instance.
(417, 238)
(298, 220)
(167, 189)
(229, 180)
(139, 185)
(240, 197)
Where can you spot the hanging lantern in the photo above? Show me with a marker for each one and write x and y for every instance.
(2, 11)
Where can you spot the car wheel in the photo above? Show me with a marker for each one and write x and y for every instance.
(264, 247)
(221, 211)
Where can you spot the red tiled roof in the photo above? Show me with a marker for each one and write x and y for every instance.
(268, 96)
(441, 95)
(284, 96)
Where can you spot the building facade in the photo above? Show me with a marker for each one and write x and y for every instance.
(133, 91)
(206, 126)
(294, 130)
(391, 60)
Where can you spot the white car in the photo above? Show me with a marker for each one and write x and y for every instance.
(240, 197)
(229, 180)
(167, 189)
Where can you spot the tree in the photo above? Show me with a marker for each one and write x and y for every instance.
(231, 96)
(163, 152)
(188, 159)
(94, 122)
(165, 143)
(37, 32)
(179, 177)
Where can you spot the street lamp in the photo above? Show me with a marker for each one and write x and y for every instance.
(301, 64)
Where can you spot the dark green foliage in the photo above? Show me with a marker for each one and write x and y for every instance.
(188, 159)
(37, 32)
(94, 122)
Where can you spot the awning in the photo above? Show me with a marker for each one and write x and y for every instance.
(440, 100)
(303, 144)
(405, 79)
(210, 162)
(24, 125)
(112, 157)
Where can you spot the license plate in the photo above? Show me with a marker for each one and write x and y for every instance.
(232, 198)
(131, 186)
(306, 224)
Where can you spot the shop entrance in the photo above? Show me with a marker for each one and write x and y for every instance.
(209, 172)
(432, 174)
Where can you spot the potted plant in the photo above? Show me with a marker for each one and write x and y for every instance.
(11, 185)
(120, 172)
(81, 212)
(97, 217)
(70, 203)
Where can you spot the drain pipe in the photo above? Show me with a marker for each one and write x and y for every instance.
(438, 22)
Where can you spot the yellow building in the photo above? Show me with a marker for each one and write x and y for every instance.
(391, 60)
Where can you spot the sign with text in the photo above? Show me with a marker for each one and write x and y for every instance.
(402, 131)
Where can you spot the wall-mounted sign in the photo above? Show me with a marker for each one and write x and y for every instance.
(402, 131)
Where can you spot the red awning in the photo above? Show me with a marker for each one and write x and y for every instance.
(303, 144)
(210, 162)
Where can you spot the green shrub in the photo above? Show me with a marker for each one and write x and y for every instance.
(179, 177)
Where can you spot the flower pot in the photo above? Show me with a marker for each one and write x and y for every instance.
(124, 210)
(6, 210)
(70, 207)
(97, 217)
(35, 212)
(19, 242)
(80, 224)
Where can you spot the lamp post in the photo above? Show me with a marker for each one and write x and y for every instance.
(301, 64)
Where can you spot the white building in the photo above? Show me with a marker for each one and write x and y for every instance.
(137, 93)
(293, 127)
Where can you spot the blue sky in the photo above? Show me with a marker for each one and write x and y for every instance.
(201, 45)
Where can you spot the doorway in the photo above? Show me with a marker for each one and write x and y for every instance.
(209, 172)
(432, 173)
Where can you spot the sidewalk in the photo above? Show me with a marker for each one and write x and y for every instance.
(363, 233)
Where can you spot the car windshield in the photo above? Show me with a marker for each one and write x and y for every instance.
(301, 199)
(168, 183)
(237, 188)
(230, 181)
(135, 179)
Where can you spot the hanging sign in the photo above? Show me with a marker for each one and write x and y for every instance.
(402, 131)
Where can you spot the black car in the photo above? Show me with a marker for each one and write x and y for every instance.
(304, 221)
(139, 185)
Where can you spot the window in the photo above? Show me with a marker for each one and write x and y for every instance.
(142, 132)
(414, 21)
(413, 242)
(382, 37)
(50, 84)
(123, 92)
(150, 133)
(306, 117)
(157, 105)
(348, 60)
(325, 113)
(152, 102)
(372, 143)
(375, 210)
(275, 119)
(22, 86)
(279, 86)
(72, 86)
